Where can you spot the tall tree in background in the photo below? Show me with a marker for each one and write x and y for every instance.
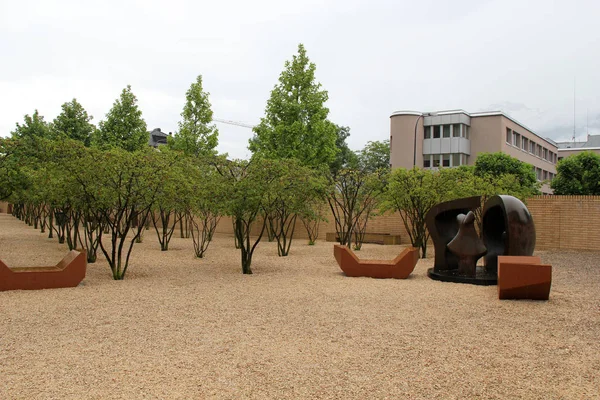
(344, 157)
(497, 164)
(578, 175)
(375, 156)
(295, 124)
(74, 122)
(196, 135)
(34, 127)
(124, 126)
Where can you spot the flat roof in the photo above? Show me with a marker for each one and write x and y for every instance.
(474, 115)
(578, 148)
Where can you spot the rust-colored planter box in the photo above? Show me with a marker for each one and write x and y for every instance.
(523, 277)
(69, 272)
(399, 268)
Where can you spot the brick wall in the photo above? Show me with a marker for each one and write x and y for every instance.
(561, 222)
(566, 222)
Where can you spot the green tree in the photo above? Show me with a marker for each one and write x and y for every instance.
(247, 184)
(121, 187)
(292, 194)
(374, 156)
(34, 127)
(497, 164)
(412, 193)
(74, 122)
(295, 124)
(9, 171)
(196, 135)
(344, 157)
(171, 202)
(208, 195)
(353, 196)
(124, 126)
(578, 175)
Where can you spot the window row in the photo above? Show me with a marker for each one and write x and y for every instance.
(444, 160)
(446, 131)
(521, 142)
(543, 175)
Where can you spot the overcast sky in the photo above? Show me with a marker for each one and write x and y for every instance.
(374, 57)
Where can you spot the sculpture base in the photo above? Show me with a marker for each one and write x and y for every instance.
(481, 277)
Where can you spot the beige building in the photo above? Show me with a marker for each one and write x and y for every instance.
(453, 138)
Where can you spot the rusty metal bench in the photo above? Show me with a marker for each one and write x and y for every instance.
(399, 268)
(69, 272)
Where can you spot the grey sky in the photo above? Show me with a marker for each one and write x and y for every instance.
(374, 57)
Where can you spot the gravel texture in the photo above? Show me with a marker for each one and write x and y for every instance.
(180, 327)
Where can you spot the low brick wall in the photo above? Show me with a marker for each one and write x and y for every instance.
(566, 222)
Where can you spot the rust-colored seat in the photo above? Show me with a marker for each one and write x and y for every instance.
(523, 277)
(69, 272)
(399, 268)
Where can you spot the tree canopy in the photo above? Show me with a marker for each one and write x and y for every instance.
(74, 123)
(498, 164)
(295, 124)
(375, 156)
(196, 135)
(124, 126)
(578, 175)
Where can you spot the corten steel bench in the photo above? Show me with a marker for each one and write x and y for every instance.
(69, 272)
(523, 277)
(398, 268)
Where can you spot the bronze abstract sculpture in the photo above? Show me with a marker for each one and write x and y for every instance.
(507, 229)
(466, 245)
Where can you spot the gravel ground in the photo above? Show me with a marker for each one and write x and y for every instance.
(180, 327)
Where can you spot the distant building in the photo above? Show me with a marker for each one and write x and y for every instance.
(157, 137)
(566, 149)
(453, 138)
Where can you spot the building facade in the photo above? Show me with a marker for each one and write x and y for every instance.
(566, 149)
(452, 138)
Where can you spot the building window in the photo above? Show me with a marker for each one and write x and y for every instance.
(446, 131)
(467, 129)
(427, 162)
(436, 160)
(508, 136)
(445, 160)
(545, 153)
(516, 140)
(456, 130)
(545, 175)
(455, 160)
(532, 147)
(436, 131)
(538, 174)
(427, 134)
(525, 144)
(539, 151)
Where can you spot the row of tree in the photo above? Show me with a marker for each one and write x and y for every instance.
(101, 188)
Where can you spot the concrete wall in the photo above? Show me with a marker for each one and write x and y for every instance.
(486, 136)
